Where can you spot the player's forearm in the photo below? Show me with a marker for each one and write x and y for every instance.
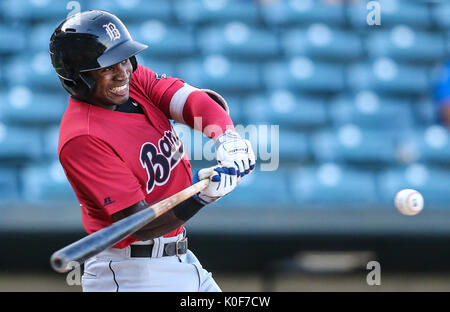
(164, 224)
(213, 119)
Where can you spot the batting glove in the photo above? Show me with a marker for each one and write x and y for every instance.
(230, 147)
(223, 179)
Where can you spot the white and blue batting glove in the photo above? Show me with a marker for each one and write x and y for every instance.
(231, 148)
(223, 179)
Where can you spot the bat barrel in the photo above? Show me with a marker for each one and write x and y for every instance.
(93, 244)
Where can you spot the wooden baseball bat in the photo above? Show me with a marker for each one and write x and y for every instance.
(96, 242)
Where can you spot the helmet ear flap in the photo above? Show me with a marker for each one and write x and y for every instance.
(88, 81)
(81, 87)
(133, 62)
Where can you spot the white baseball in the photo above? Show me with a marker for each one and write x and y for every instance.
(409, 202)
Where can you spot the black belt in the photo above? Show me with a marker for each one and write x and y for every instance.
(170, 249)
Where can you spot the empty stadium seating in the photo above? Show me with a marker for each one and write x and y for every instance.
(350, 105)
(9, 186)
(260, 190)
(294, 12)
(133, 10)
(403, 43)
(431, 182)
(367, 109)
(321, 41)
(332, 186)
(11, 35)
(29, 10)
(211, 11)
(285, 108)
(164, 40)
(23, 107)
(218, 72)
(387, 76)
(392, 12)
(45, 182)
(239, 40)
(304, 74)
(352, 144)
(19, 144)
(430, 145)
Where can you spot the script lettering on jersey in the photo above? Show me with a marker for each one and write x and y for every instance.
(159, 160)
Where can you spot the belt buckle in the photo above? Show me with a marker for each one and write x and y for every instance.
(182, 240)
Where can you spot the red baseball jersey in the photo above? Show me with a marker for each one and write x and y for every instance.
(115, 159)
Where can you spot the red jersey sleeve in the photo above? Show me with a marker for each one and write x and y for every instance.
(99, 177)
(214, 120)
(185, 106)
(158, 87)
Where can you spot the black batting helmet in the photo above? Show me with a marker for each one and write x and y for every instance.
(87, 41)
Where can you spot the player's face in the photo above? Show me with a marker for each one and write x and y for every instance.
(112, 85)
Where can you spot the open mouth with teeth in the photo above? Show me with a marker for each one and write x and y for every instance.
(119, 91)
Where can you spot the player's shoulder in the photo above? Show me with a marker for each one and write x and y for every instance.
(78, 120)
(143, 74)
(82, 144)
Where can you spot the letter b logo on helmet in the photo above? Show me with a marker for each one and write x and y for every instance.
(112, 31)
(87, 41)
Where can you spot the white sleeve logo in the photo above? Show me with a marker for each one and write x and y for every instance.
(112, 31)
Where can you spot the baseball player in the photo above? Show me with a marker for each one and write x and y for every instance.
(121, 154)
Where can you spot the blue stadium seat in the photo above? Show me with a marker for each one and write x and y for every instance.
(238, 39)
(428, 145)
(12, 35)
(393, 12)
(403, 43)
(259, 190)
(440, 13)
(275, 143)
(158, 66)
(293, 145)
(303, 74)
(353, 144)
(426, 111)
(236, 108)
(46, 183)
(9, 187)
(320, 41)
(367, 110)
(50, 142)
(431, 182)
(22, 106)
(332, 186)
(19, 144)
(386, 76)
(214, 11)
(39, 10)
(284, 12)
(285, 108)
(32, 70)
(163, 39)
(221, 74)
(132, 10)
(39, 37)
